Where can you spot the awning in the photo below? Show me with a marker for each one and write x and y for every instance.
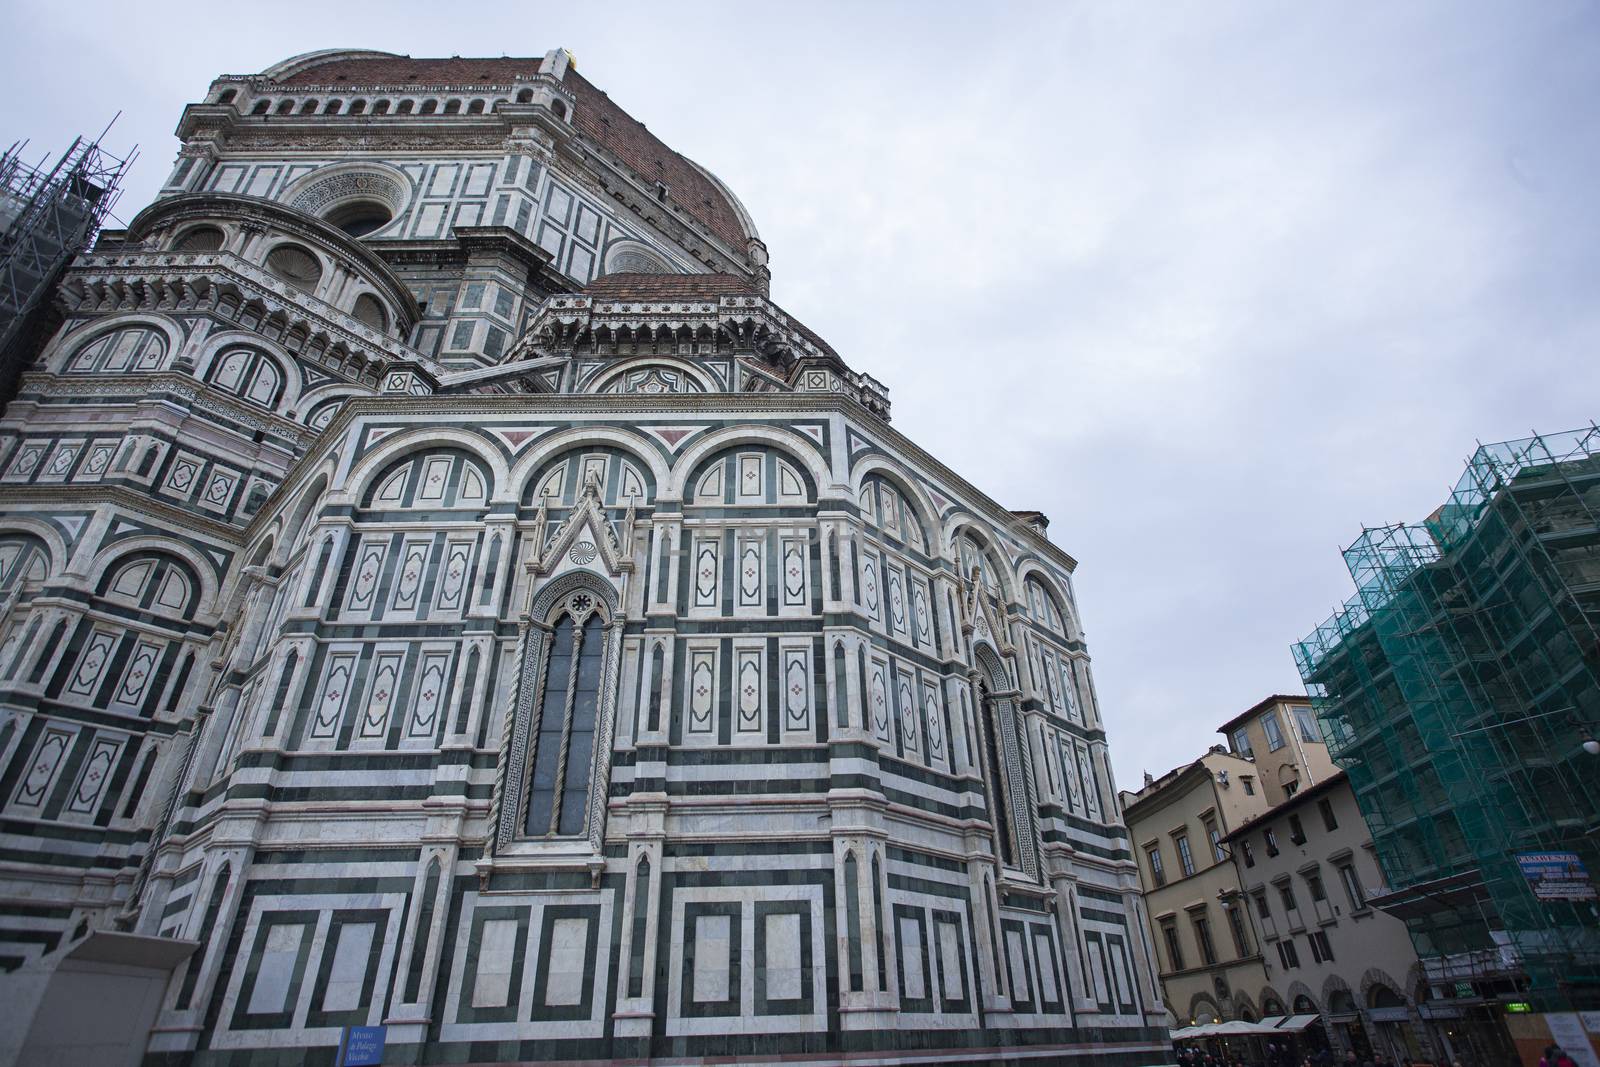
(1296, 1023)
(1237, 1028)
(1273, 1020)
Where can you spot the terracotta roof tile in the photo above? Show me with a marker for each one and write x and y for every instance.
(600, 119)
(597, 118)
(668, 287)
(404, 70)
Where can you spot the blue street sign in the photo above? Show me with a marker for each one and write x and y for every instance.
(363, 1046)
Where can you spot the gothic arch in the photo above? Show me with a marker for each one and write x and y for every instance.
(553, 445)
(215, 344)
(204, 570)
(791, 445)
(991, 662)
(109, 577)
(22, 552)
(1416, 986)
(909, 489)
(297, 524)
(69, 345)
(1271, 1003)
(570, 582)
(1374, 978)
(318, 396)
(260, 552)
(1334, 984)
(636, 480)
(463, 483)
(705, 464)
(966, 523)
(1242, 1005)
(1299, 989)
(701, 381)
(360, 473)
(1036, 571)
(516, 740)
(1203, 999)
(55, 546)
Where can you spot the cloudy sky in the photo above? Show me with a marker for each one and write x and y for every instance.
(1210, 284)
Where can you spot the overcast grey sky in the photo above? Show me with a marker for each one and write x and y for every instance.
(1211, 284)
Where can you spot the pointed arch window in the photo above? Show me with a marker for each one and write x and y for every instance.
(561, 749)
(1000, 810)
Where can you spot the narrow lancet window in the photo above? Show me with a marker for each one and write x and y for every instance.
(563, 741)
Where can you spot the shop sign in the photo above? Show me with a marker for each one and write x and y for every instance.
(1519, 1007)
(1556, 875)
(363, 1046)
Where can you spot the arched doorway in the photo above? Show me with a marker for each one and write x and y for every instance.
(1345, 1019)
(1391, 1021)
(1314, 1038)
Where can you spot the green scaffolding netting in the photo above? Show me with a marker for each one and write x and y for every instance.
(1456, 688)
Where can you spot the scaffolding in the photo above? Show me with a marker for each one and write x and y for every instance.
(48, 214)
(1456, 688)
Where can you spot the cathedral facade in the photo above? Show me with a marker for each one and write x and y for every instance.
(443, 592)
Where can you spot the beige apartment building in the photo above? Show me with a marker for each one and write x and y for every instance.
(1207, 955)
(1308, 872)
(1280, 735)
(1213, 964)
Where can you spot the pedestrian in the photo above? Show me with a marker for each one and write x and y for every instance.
(1551, 1054)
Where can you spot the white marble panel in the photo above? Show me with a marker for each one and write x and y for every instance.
(783, 957)
(271, 992)
(568, 939)
(1017, 955)
(711, 958)
(911, 958)
(349, 967)
(1047, 971)
(496, 952)
(950, 960)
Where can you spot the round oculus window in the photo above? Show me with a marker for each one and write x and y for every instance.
(360, 217)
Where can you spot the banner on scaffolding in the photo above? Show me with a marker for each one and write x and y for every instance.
(1556, 875)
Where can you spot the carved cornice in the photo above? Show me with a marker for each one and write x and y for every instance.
(136, 388)
(739, 324)
(205, 281)
(186, 520)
